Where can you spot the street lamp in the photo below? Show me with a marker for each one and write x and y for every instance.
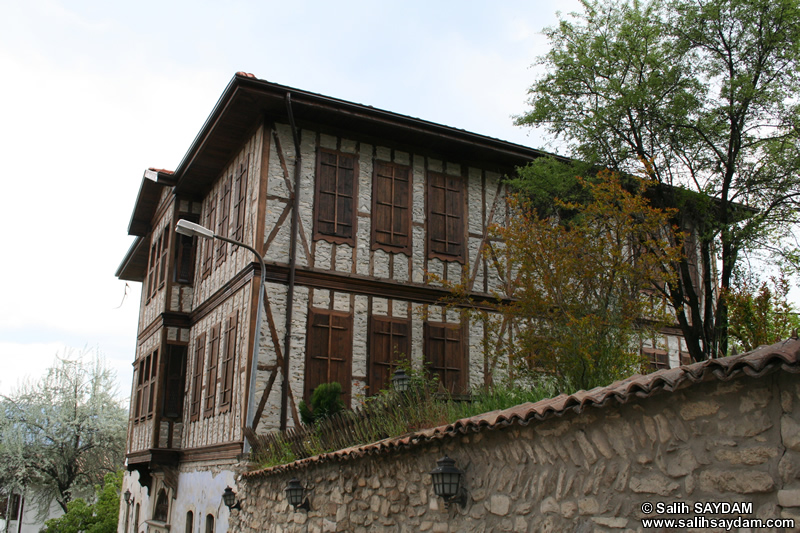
(184, 227)
(448, 482)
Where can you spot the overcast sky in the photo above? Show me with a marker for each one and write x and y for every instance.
(96, 92)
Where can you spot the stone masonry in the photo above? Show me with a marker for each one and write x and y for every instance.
(590, 470)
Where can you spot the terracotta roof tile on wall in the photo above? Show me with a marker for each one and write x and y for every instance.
(783, 356)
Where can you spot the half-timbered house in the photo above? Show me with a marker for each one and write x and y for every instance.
(352, 208)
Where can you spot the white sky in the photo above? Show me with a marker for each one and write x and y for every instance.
(96, 92)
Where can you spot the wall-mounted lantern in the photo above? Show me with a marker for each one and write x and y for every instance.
(400, 380)
(296, 495)
(229, 499)
(127, 496)
(448, 482)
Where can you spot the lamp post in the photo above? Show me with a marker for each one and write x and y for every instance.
(184, 227)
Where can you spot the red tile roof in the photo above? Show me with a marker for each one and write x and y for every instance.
(782, 356)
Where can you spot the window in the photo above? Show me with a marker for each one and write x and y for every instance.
(228, 361)
(446, 217)
(185, 246)
(329, 351)
(189, 522)
(335, 197)
(16, 503)
(209, 523)
(197, 376)
(224, 220)
(444, 355)
(208, 244)
(391, 207)
(145, 386)
(162, 507)
(658, 359)
(239, 200)
(174, 378)
(213, 358)
(388, 342)
(156, 275)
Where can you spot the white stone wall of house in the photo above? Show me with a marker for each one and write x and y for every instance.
(723, 442)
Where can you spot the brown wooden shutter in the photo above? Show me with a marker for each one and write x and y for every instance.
(211, 386)
(229, 360)
(335, 199)
(151, 403)
(240, 200)
(445, 356)
(388, 343)
(162, 267)
(184, 259)
(208, 244)
(224, 219)
(446, 225)
(391, 207)
(197, 375)
(329, 351)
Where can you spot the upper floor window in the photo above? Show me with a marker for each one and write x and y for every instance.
(156, 276)
(446, 230)
(223, 215)
(445, 356)
(228, 361)
(145, 386)
(239, 200)
(208, 244)
(213, 360)
(391, 207)
(329, 351)
(335, 197)
(174, 380)
(197, 376)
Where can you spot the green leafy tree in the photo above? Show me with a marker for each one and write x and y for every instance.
(99, 517)
(63, 433)
(760, 313)
(702, 95)
(578, 272)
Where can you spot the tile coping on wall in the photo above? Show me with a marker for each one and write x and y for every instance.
(784, 355)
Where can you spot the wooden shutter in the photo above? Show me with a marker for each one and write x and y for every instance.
(446, 229)
(335, 199)
(391, 207)
(208, 244)
(229, 361)
(211, 386)
(445, 356)
(174, 380)
(224, 219)
(240, 200)
(197, 376)
(184, 259)
(329, 351)
(162, 266)
(388, 342)
(151, 402)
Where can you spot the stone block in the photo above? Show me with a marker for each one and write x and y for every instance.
(790, 433)
(653, 484)
(789, 498)
(613, 523)
(754, 455)
(499, 504)
(738, 481)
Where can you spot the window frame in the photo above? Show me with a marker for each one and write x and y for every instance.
(198, 372)
(429, 330)
(210, 398)
(240, 200)
(375, 382)
(228, 364)
(207, 264)
(458, 204)
(344, 322)
(336, 237)
(401, 244)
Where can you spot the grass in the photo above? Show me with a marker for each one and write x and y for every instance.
(389, 414)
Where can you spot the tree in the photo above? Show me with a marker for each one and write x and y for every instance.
(701, 94)
(760, 313)
(579, 273)
(63, 433)
(102, 516)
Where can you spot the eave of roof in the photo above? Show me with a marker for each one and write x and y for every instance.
(247, 101)
(134, 265)
(783, 356)
(153, 182)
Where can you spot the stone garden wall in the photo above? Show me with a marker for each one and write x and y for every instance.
(734, 441)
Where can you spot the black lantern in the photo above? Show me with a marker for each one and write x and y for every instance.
(400, 380)
(447, 482)
(295, 494)
(229, 499)
(127, 496)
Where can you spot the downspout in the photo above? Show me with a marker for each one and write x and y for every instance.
(292, 266)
